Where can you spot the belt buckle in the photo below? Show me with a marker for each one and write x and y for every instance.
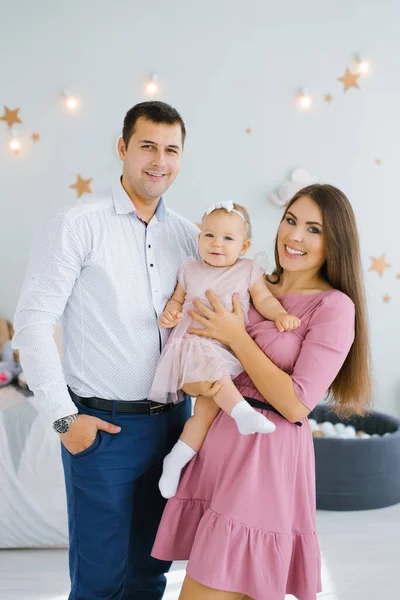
(155, 408)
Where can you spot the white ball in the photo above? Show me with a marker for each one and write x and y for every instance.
(327, 428)
(333, 434)
(375, 435)
(313, 425)
(340, 427)
(350, 431)
(386, 434)
(364, 436)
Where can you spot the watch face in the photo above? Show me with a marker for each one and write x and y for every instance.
(62, 426)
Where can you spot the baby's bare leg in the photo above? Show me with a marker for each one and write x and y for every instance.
(196, 428)
(190, 442)
(247, 419)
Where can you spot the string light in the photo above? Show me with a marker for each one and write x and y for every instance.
(15, 142)
(363, 66)
(152, 86)
(71, 102)
(304, 100)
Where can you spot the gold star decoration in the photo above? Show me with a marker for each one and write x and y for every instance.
(248, 131)
(386, 299)
(378, 161)
(10, 116)
(35, 137)
(379, 265)
(82, 186)
(328, 98)
(350, 80)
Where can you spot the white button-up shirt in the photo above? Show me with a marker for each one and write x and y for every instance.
(108, 276)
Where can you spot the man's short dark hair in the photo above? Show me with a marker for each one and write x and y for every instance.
(155, 111)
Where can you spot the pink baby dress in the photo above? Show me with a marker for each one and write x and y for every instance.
(188, 358)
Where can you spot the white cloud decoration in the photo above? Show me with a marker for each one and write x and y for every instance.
(298, 179)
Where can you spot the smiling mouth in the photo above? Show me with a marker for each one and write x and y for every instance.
(293, 251)
(155, 175)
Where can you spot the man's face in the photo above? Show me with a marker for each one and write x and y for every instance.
(152, 159)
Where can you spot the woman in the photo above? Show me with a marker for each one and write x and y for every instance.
(244, 512)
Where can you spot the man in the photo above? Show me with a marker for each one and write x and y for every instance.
(108, 268)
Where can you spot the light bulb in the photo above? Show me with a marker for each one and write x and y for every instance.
(152, 86)
(15, 143)
(71, 102)
(304, 100)
(363, 66)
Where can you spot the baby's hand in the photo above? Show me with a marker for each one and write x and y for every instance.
(170, 318)
(285, 322)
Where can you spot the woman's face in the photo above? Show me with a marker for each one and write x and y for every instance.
(301, 237)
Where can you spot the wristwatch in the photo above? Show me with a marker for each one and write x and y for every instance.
(62, 425)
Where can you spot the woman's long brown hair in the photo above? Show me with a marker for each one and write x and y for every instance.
(350, 393)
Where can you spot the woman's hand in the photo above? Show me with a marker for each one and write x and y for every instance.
(219, 324)
(202, 388)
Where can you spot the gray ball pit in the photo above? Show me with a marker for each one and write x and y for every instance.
(358, 474)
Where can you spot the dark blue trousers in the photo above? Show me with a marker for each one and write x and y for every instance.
(114, 506)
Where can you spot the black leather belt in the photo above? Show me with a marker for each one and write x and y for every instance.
(264, 406)
(122, 406)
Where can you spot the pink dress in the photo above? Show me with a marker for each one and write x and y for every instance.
(187, 358)
(244, 511)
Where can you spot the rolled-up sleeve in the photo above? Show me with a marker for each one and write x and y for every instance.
(55, 264)
(326, 345)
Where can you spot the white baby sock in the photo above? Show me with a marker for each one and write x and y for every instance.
(249, 420)
(173, 464)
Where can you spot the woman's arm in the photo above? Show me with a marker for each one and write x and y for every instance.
(274, 385)
(328, 339)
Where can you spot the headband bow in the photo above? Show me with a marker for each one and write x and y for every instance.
(228, 206)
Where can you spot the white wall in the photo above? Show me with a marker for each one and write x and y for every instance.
(226, 66)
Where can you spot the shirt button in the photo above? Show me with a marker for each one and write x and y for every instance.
(149, 246)
(151, 264)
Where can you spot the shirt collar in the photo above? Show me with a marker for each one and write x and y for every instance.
(123, 204)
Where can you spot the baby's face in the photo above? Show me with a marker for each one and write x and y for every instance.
(222, 239)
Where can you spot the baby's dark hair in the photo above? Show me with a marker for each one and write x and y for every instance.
(240, 209)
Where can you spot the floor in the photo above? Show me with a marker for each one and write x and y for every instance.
(360, 559)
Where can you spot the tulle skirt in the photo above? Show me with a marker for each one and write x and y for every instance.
(188, 358)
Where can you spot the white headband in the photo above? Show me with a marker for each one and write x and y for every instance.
(228, 206)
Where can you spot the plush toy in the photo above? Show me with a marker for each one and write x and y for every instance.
(22, 383)
(9, 360)
(5, 334)
(298, 179)
(9, 368)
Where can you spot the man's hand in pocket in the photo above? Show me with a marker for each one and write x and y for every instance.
(83, 431)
